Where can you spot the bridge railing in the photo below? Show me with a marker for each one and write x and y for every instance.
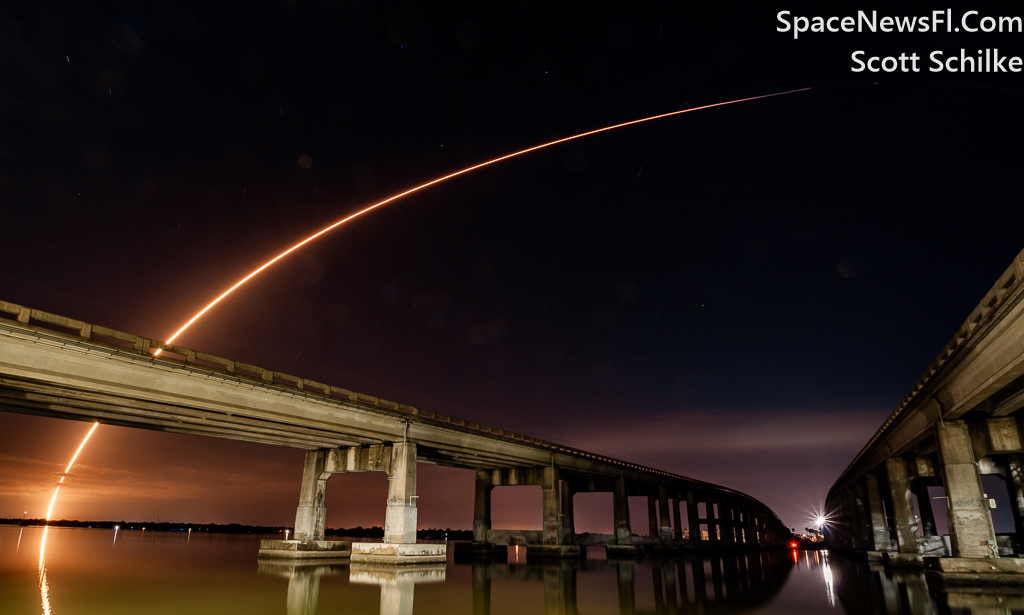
(95, 335)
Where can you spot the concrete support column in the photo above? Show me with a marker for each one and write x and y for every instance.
(652, 517)
(865, 539)
(568, 516)
(924, 505)
(1015, 485)
(903, 507)
(312, 512)
(879, 528)
(550, 501)
(725, 522)
(709, 508)
(692, 519)
(970, 523)
(665, 534)
(400, 519)
(677, 522)
(620, 507)
(749, 527)
(482, 506)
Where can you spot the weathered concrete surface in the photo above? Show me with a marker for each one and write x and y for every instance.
(400, 518)
(312, 510)
(907, 525)
(305, 549)
(970, 523)
(974, 572)
(398, 554)
(553, 551)
(623, 552)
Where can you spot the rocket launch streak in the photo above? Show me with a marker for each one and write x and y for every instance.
(49, 511)
(445, 178)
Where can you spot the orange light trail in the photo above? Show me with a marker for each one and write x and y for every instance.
(53, 500)
(445, 178)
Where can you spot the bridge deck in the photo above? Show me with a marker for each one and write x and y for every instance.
(60, 367)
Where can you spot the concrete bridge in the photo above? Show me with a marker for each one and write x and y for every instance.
(961, 420)
(60, 367)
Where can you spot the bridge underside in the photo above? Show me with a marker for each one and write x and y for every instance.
(960, 421)
(57, 367)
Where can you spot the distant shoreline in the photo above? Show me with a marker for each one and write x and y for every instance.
(232, 528)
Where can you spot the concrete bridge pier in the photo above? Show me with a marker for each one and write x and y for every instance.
(692, 518)
(312, 511)
(552, 537)
(970, 523)
(398, 460)
(907, 523)
(399, 545)
(308, 542)
(665, 527)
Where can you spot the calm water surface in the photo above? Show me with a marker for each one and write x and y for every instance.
(73, 571)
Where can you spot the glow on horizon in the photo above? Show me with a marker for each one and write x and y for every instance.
(395, 197)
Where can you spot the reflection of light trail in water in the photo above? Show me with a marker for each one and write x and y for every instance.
(44, 587)
(827, 572)
(445, 178)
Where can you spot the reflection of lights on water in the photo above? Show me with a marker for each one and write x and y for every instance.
(44, 588)
(18, 548)
(116, 527)
(826, 570)
(517, 554)
(442, 179)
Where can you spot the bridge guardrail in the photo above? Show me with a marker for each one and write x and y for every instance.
(83, 332)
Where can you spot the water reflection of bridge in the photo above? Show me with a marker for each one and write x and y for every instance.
(718, 583)
(869, 587)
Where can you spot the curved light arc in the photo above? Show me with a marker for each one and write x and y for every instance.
(438, 180)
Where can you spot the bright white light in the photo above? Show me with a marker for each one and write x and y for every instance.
(820, 521)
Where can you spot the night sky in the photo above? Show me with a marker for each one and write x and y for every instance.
(741, 294)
